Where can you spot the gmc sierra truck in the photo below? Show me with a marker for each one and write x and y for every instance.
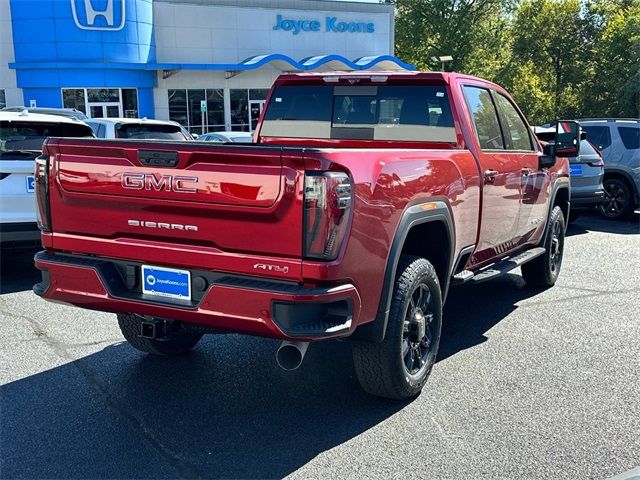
(363, 198)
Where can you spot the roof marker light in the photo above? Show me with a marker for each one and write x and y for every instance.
(379, 78)
(332, 79)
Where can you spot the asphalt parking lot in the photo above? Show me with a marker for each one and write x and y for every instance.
(529, 384)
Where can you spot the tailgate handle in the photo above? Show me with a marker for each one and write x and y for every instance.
(158, 158)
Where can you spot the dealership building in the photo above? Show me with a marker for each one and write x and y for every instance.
(207, 64)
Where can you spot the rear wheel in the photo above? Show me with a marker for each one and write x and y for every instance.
(399, 366)
(173, 344)
(618, 202)
(543, 271)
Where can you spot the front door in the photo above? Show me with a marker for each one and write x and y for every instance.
(104, 110)
(501, 177)
(255, 109)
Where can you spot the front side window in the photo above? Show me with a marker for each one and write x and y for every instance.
(598, 135)
(515, 129)
(485, 118)
(400, 113)
(630, 137)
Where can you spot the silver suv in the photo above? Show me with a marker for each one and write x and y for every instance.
(619, 143)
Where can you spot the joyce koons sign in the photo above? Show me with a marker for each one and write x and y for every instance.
(330, 24)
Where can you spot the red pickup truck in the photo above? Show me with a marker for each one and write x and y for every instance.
(364, 197)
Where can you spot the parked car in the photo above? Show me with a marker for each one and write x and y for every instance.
(586, 173)
(618, 140)
(21, 137)
(63, 112)
(138, 128)
(347, 219)
(226, 137)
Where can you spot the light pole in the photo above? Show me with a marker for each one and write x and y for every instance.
(443, 59)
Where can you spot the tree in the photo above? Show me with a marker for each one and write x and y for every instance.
(614, 87)
(468, 30)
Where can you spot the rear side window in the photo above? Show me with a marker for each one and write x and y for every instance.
(16, 136)
(485, 118)
(98, 129)
(149, 131)
(598, 135)
(630, 137)
(515, 129)
(586, 148)
(400, 113)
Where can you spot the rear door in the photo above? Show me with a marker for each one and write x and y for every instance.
(501, 175)
(534, 183)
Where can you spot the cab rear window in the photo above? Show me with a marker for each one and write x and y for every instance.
(390, 112)
(149, 131)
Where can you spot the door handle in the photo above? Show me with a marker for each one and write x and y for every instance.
(490, 175)
(526, 171)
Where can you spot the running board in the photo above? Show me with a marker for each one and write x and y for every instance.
(497, 269)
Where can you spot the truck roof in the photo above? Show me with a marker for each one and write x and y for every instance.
(25, 116)
(445, 77)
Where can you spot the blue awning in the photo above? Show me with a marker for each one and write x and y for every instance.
(277, 60)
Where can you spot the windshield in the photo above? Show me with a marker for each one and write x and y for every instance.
(150, 131)
(24, 139)
(416, 113)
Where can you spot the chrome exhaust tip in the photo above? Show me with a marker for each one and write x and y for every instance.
(290, 354)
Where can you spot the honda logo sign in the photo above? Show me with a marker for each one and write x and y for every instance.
(105, 15)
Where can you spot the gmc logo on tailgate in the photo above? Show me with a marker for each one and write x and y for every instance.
(162, 183)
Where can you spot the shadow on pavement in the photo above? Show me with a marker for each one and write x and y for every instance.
(17, 272)
(225, 410)
(594, 222)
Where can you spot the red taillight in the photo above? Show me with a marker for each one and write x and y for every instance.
(42, 190)
(327, 207)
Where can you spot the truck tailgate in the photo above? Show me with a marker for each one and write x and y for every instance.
(204, 205)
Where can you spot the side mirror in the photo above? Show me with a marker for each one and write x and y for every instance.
(567, 142)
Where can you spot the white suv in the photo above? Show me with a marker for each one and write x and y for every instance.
(21, 137)
(138, 128)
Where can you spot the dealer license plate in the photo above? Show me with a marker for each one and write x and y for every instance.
(166, 282)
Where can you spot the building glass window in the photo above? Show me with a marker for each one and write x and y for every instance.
(3, 99)
(239, 109)
(102, 102)
(74, 98)
(184, 108)
(258, 93)
(178, 107)
(196, 119)
(215, 109)
(130, 102)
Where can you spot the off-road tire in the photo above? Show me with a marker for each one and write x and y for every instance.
(380, 367)
(619, 200)
(543, 271)
(176, 344)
